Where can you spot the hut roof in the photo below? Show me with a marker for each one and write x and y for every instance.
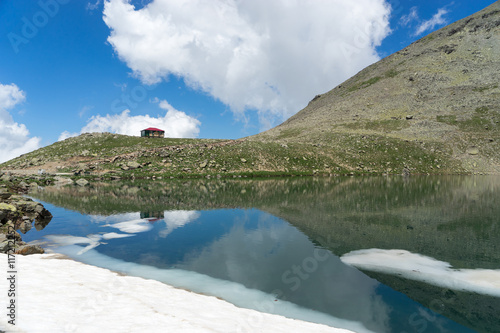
(153, 129)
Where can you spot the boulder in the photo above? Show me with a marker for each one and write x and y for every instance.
(82, 182)
(23, 185)
(14, 235)
(27, 205)
(6, 178)
(7, 207)
(472, 151)
(5, 246)
(29, 249)
(4, 194)
(25, 226)
(133, 165)
(39, 208)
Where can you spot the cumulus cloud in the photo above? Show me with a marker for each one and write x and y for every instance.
(436, 20)
(14, 137)
(175, 123)
(268, 56)
(10, 95)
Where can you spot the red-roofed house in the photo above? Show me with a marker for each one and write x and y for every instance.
(152, 132)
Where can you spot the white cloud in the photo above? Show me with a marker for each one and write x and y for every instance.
(10, 95)
(66, 134)
(436, 20)
(175, 123)
(405, 20)
(269, 56)
(14, 137)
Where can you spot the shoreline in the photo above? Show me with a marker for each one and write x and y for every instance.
(63, 295)
(18, 213)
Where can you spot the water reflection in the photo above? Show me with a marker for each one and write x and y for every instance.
(278, 259)
(192, 226)
(253, 250)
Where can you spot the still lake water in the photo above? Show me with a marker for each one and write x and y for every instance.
(281, 245)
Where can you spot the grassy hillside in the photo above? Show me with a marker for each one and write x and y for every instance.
(433, 107)
(108, 155)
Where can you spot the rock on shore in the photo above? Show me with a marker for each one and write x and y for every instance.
(17, 214)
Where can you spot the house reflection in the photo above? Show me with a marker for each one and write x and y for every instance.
(153, 216)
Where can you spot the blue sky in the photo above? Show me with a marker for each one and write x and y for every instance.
(207, 69)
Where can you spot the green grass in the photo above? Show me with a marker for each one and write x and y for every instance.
(447, 119)
(391, 73)
(289, 133)
(481, 120)
(364, 84)
(482, 110)
(379, 125)
(485, 88)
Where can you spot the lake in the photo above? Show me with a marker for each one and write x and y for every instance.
(370, 254)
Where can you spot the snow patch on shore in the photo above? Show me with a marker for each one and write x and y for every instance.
(56, 295)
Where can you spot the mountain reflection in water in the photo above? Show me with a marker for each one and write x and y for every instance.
(270, 236)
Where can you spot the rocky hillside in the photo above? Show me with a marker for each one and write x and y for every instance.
(433, 107)
(441, 90)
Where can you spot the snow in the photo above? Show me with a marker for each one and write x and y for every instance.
(426, 269)
(57, 295)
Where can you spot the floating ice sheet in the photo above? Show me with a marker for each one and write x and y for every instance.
(426, 269)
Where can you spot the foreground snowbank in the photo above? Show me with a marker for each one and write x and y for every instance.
(54, 295)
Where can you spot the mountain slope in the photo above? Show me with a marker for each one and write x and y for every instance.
(433, 107)
(441, 89)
